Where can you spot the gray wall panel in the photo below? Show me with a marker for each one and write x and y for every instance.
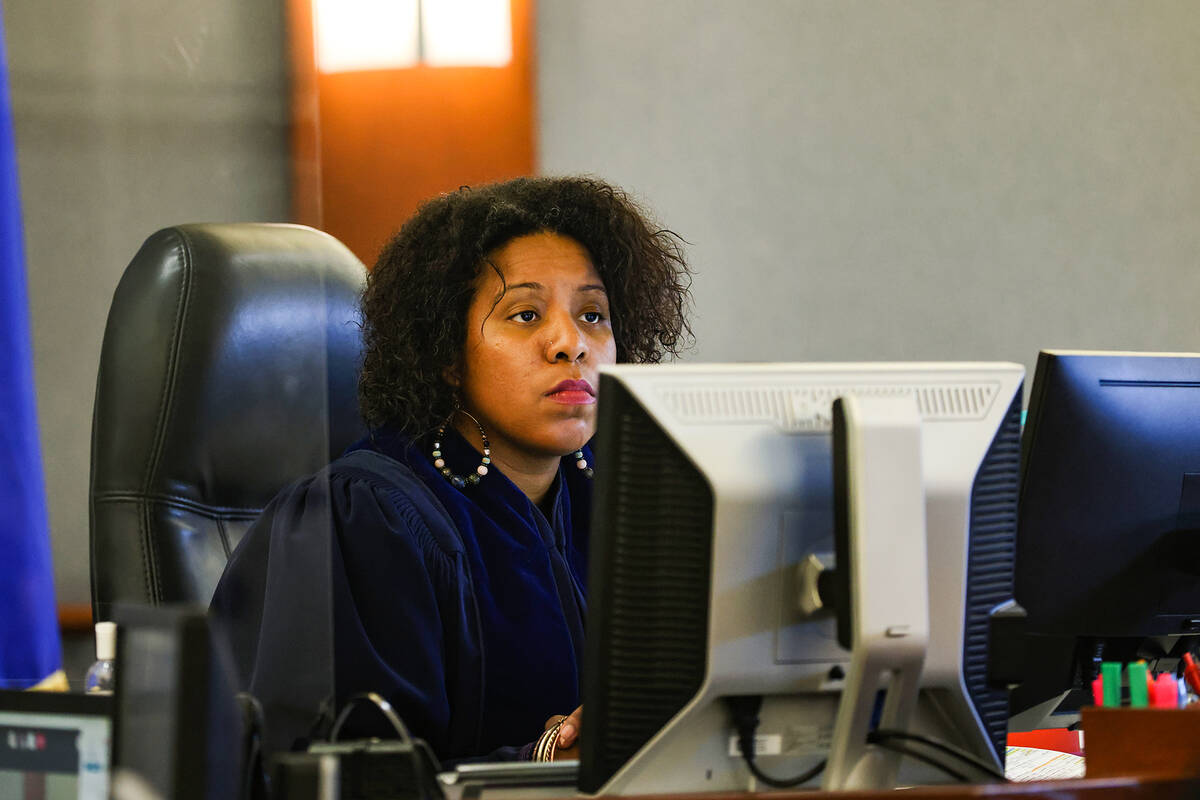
(130, 115)
(930, 179)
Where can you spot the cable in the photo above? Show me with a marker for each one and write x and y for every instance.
(745, 720)
(384, 707)
(937, 744)
(778, 783)
(933, 762)
(881, 735)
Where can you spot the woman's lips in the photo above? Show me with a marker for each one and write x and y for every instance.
(573, 393)
(572, 398)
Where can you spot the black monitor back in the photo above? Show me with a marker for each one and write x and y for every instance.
(1108, 542)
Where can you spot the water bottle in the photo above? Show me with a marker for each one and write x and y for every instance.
(102, 676)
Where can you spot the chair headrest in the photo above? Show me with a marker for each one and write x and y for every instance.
(229, 364)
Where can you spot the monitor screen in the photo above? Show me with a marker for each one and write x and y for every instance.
(55, 745)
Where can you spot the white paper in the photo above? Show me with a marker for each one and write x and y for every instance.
(1035, 764)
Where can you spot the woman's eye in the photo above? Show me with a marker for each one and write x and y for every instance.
(593, 317)
(525, 316)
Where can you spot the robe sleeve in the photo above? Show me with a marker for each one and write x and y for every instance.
(351, 582)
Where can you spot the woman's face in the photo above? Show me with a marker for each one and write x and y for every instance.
(529, 369)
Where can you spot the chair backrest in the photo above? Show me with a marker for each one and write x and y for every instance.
(228, 370)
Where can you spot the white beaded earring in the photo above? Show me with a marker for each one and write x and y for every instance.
(439, 460)
(581, 463)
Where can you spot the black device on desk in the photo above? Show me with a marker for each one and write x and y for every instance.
(178, 721)
(55, 745)
(1108, 534)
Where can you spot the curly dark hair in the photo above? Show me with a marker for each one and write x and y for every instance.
(416, 299)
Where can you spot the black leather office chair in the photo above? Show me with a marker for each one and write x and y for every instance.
(228, 370)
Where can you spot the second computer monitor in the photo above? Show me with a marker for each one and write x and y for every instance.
(1109, 542)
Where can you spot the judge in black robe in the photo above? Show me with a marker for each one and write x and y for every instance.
(456, 595)
(463, 607)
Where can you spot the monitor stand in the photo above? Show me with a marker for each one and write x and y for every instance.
(880, 537)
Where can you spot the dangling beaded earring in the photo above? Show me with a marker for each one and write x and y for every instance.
(439, 461)
(582, 464)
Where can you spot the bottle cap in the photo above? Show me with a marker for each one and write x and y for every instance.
(106, 641)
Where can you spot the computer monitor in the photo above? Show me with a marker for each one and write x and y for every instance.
(1108, 537)
(55, 745)
(715, 482)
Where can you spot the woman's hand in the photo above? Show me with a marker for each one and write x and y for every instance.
(567, 748)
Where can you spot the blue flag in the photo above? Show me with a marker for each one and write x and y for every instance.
(29, 644)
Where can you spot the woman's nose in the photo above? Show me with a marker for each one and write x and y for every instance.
(566, 341)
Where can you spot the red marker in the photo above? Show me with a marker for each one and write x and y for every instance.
(1191, 672)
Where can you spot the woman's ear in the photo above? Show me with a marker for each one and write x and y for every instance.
(452, 375)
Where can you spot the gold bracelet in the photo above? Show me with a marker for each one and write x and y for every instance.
(548, 743)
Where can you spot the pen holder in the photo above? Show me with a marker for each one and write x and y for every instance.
(1128, 742)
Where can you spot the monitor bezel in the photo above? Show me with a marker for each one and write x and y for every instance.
(66, 704)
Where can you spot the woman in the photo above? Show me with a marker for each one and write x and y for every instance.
(454, 580)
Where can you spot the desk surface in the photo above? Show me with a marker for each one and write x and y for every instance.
(1146, 788)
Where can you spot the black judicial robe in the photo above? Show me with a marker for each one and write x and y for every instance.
(463, 607)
